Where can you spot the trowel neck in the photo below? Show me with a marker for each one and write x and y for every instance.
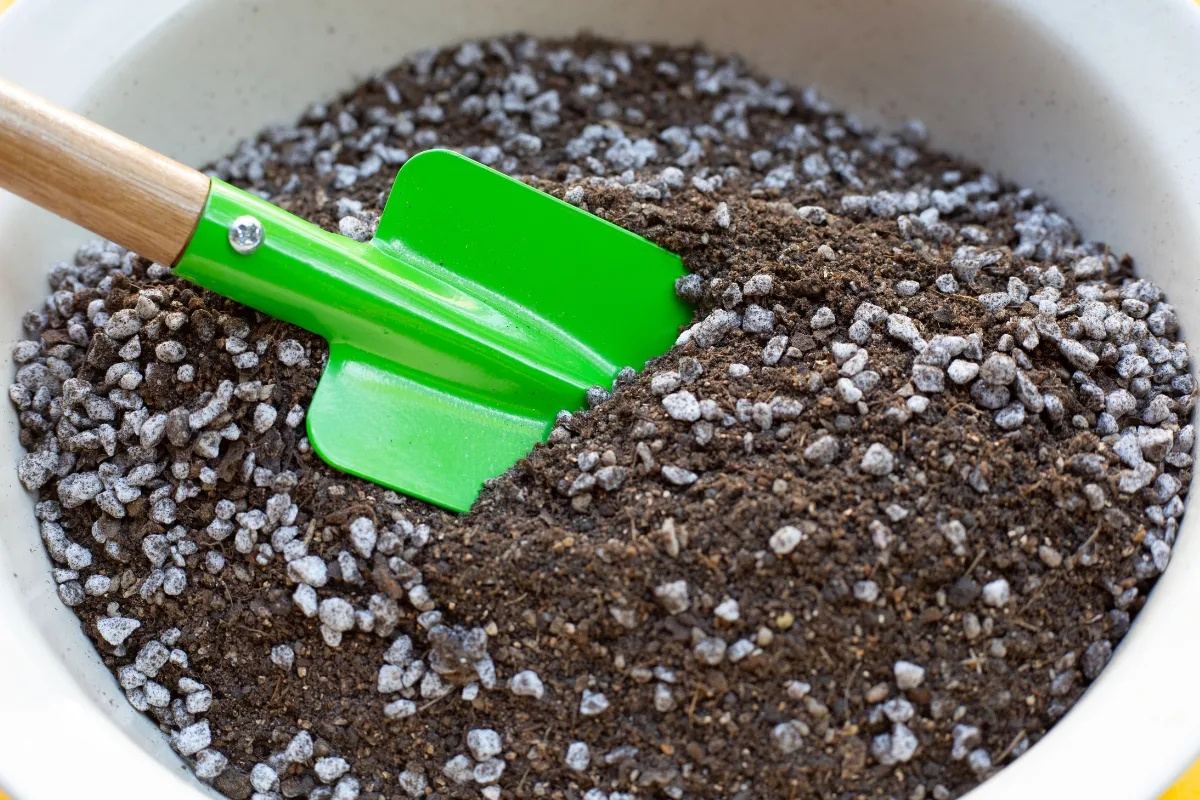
(255, 253)
(382, 301)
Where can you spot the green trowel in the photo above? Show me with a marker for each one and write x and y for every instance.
(480, 310)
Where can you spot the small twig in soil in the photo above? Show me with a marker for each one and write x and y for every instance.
(1033, 488)
(970, 408)
(1016, 741)
(434, 700)
(1037, 592)
(521, 782)
(1078, 554)
(975, 563)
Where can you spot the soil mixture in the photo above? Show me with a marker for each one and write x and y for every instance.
(766, 566)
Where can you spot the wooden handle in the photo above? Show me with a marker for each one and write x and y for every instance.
(116, 188)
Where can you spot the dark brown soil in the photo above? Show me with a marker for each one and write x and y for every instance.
(543, 572)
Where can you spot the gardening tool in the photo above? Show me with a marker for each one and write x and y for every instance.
(480, 310)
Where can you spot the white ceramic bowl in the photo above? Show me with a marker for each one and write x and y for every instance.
(1094, 103)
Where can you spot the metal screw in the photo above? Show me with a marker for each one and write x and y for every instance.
(245, 235)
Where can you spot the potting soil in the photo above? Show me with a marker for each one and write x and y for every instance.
(868, 530)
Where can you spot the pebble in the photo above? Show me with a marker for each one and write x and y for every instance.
(713, 328)
(848, 392)
(823, 318)
(898, 710)
(904, 743)
(1095, 658)
(866, 591)
(758, 320)
(664, 699)
(610, 478)
(903, 328)
(310, 570)
(210, 764)
(264, 417)
(774, 350)
(673, 597)
(305, 598)
(151, 658)
(192, 739)
(97, 585)
(400, 709)
(592, 703)
(78, 488)
(291, 353)
(979, 761)
(710, 651)
(459, 769)
(878, 460)
(758, 285)
(728, 611)
(998, 370)
(1010, 417)
(964, 738)
(283, 656)
(362, 537)
(788, 737)
(1077, 355)
(785, 540)
(930, 380)
(170, 352)
(740, 650)
(263, 778)
(665, 383)
(682, 406)
(822, 452)
(578, 756)
(489, 771)
(812, 214)
(116, 630)
(678, 475)
(996, 593)
(946, 283)
(908, 675)
(484, 743)
(300, 749)
(1049, 556)
(330, 768)
(527, 684)
(348, 788)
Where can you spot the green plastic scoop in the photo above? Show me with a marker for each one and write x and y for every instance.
(481, 309)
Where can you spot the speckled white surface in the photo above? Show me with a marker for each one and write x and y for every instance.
(1093, 102)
